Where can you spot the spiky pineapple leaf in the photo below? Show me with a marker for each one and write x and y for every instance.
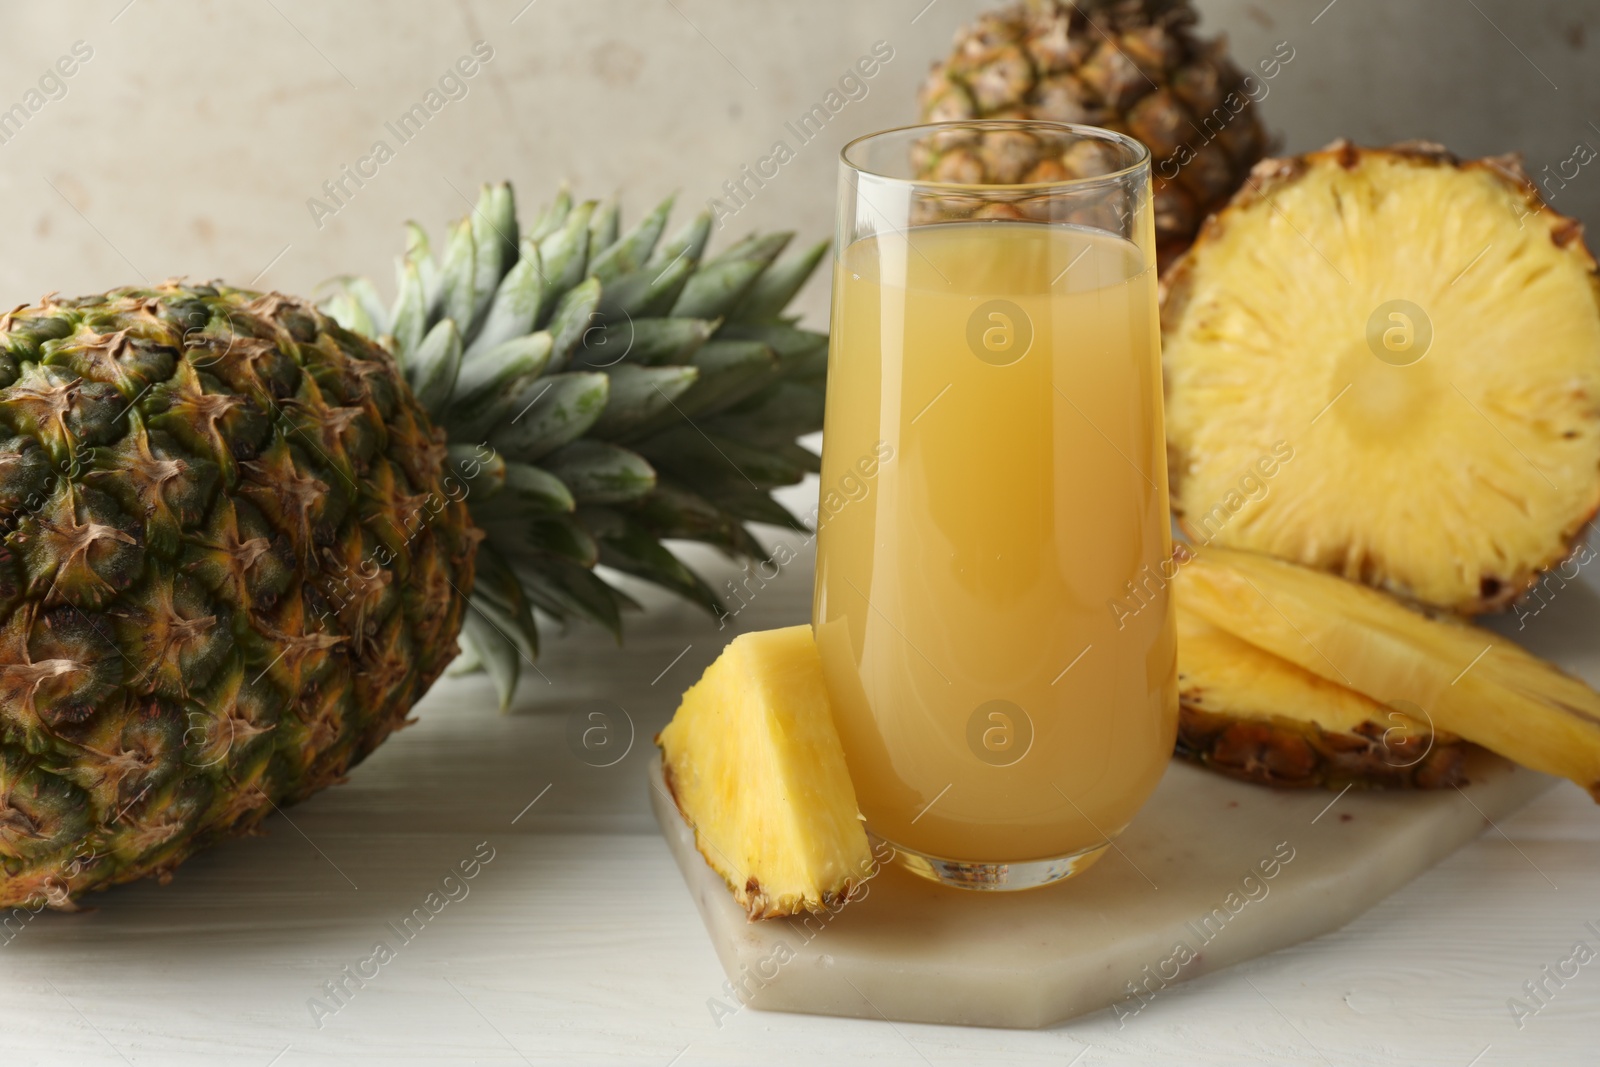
(633, 251)
(565, 253)
(667, 276)
(803, 353)
(769, 294)
(642, 293)
(410, 315)
(497, 652)
(647, 341)
(488, 382)
(720, 283)
(343, 309)
(563, 589)
(515, 305)
(494, 242)
(556, 535)
(480, 469)
(758, 507)
(730, 371)
(597, 472)
(604, 224)
(779, 413)
(674, 512)
(712, 464)
(612, 389)
(561, 408)
(688, 243)
(528, 495)
(500, 593)
(458, 276)
(470, 661)
(433, 367)
(356, 306)
(627, 546)
(641, 397)
(573, 316)
(419, 255)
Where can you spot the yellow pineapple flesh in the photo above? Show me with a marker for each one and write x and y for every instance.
(1250, 714)
(1423, 336)
(1460, 679)
(755, 766)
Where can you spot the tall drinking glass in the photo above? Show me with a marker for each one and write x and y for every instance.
(994, 543)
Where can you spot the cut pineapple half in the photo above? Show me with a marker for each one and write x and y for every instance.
(1461, 679)
(755, 766)
(1253, 715)
(1421, 338)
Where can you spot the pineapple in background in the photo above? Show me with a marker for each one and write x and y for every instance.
(754, 763)
(1134, 66)
(1387, 686)
(237, 544)
(1425, 335)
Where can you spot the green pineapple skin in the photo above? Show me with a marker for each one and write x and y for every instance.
(228, 567)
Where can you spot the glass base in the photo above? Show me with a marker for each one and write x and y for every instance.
(996, 877)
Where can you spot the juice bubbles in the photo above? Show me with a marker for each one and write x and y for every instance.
(1000, 381)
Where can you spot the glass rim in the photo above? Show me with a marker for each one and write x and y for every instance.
(1141, 154)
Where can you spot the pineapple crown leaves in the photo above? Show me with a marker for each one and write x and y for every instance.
(602, 391)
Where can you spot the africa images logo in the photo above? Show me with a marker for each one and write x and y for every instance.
(999, 332)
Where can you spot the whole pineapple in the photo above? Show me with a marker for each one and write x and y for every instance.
(1134, 66)
(228, 570)
(236, 544)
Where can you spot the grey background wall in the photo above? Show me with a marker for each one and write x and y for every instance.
(193, 137)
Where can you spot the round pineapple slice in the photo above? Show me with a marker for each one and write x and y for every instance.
(1386, 363)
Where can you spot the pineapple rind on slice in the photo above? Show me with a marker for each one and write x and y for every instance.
(755, 766)
(1249, 714)
(1454, 477)
(1465, 680)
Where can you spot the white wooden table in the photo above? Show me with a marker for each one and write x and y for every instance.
(577, 943)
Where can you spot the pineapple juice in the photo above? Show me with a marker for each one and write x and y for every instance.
(993, 704)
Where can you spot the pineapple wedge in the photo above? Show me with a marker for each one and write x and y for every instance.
(755, 766)
(1250, 714)
(1465, 680)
